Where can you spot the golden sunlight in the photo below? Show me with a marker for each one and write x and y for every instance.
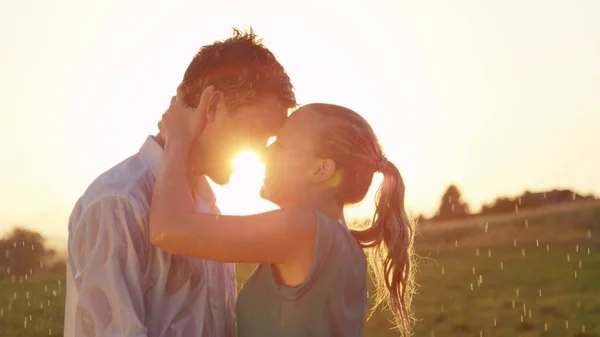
(248, 164)
(242, 194)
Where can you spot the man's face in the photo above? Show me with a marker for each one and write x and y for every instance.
(245, 128)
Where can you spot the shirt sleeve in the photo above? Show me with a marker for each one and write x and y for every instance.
(107, 256)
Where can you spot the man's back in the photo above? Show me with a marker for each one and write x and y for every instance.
(119, 284)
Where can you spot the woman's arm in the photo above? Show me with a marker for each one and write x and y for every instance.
(276, 237)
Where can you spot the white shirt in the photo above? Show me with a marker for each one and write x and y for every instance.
(118, 284)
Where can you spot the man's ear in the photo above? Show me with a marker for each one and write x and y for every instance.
(325, 170)
(216, 104)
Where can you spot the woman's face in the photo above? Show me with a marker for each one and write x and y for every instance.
(290, 161)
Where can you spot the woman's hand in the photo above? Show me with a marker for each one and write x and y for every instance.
(182, 123)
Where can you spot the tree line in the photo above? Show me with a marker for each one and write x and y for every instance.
(24, 252)
(452, 206)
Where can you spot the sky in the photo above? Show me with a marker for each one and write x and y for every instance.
(495, 96)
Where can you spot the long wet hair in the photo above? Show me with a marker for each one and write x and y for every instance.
(350, 142)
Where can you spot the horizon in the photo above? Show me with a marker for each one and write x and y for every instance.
(497, 97)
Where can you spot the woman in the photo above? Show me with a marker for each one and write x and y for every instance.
(311, 278)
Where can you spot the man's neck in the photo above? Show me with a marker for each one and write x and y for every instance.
(192, 176)
(159, 139)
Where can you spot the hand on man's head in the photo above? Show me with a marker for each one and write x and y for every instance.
(183, 123)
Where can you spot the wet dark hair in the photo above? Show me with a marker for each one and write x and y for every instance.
(350, 142)
(242, 67)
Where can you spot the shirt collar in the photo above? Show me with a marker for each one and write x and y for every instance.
(152, 153)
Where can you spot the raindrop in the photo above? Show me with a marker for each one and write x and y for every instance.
(25, 322)
(529, 313)
(480, 278)
(589, 234)
(537, 243)
(567, 324)
(576, 274)
(473, 270)
(46, 288)
(515, 242)
(513, 302)
(526, 223)
(540, 292)
(495, 322)
(517, 295)
(476, 251)
(579, 263)
(568, 258)
(522, 251)
(443, 273)
(217, 217)
(50, 331)
(471, 286)
(27, 294)
(480, 333)
(58, 282)
(521, 318)
(489, 253)
(577, 248)
(14, 296)
(486, 227)
(545, 326)
(588, 250)
(547, 247)
(583, 329)
(502, 265)
(455, 243)
(524, 309)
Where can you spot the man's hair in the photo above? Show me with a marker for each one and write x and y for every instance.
(242, 67)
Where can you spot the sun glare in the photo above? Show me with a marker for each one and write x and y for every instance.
(247, 164)
(242, 194)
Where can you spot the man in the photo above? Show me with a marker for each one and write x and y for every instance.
(118, 284)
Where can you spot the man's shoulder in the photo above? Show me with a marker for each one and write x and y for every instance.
(130, 180)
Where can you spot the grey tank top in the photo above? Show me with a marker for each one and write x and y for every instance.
(332, 300)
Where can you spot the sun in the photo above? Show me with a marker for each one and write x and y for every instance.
(242, 195)
(248, 164)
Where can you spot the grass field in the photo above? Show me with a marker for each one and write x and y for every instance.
(532, 275)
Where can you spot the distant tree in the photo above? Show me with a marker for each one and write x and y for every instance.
(452, 206)
(23, 252)
(500, 206)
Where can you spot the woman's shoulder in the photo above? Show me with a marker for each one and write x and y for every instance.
(338, 234)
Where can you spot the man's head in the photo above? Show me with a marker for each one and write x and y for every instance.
(252, 97)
